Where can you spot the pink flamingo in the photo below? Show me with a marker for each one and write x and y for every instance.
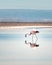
(33, 32)
(32, 44)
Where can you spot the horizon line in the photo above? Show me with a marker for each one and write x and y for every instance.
(25, 9)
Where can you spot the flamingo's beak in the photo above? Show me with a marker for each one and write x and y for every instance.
(37, 31)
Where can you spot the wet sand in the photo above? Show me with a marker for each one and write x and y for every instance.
(4, 24)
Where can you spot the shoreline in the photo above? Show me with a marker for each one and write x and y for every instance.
(23, 25)
(9, 24)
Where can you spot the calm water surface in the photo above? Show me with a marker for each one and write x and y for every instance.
(25, 15)
(14, 51)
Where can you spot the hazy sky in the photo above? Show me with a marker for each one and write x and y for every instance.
(26, 4)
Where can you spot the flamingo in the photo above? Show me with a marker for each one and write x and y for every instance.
(33, 32)
(32, 44)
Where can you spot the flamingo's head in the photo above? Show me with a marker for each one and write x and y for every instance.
(37, 31)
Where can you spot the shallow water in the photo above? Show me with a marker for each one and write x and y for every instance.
(14, 51)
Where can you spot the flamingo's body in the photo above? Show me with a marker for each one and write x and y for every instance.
(34, 32)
